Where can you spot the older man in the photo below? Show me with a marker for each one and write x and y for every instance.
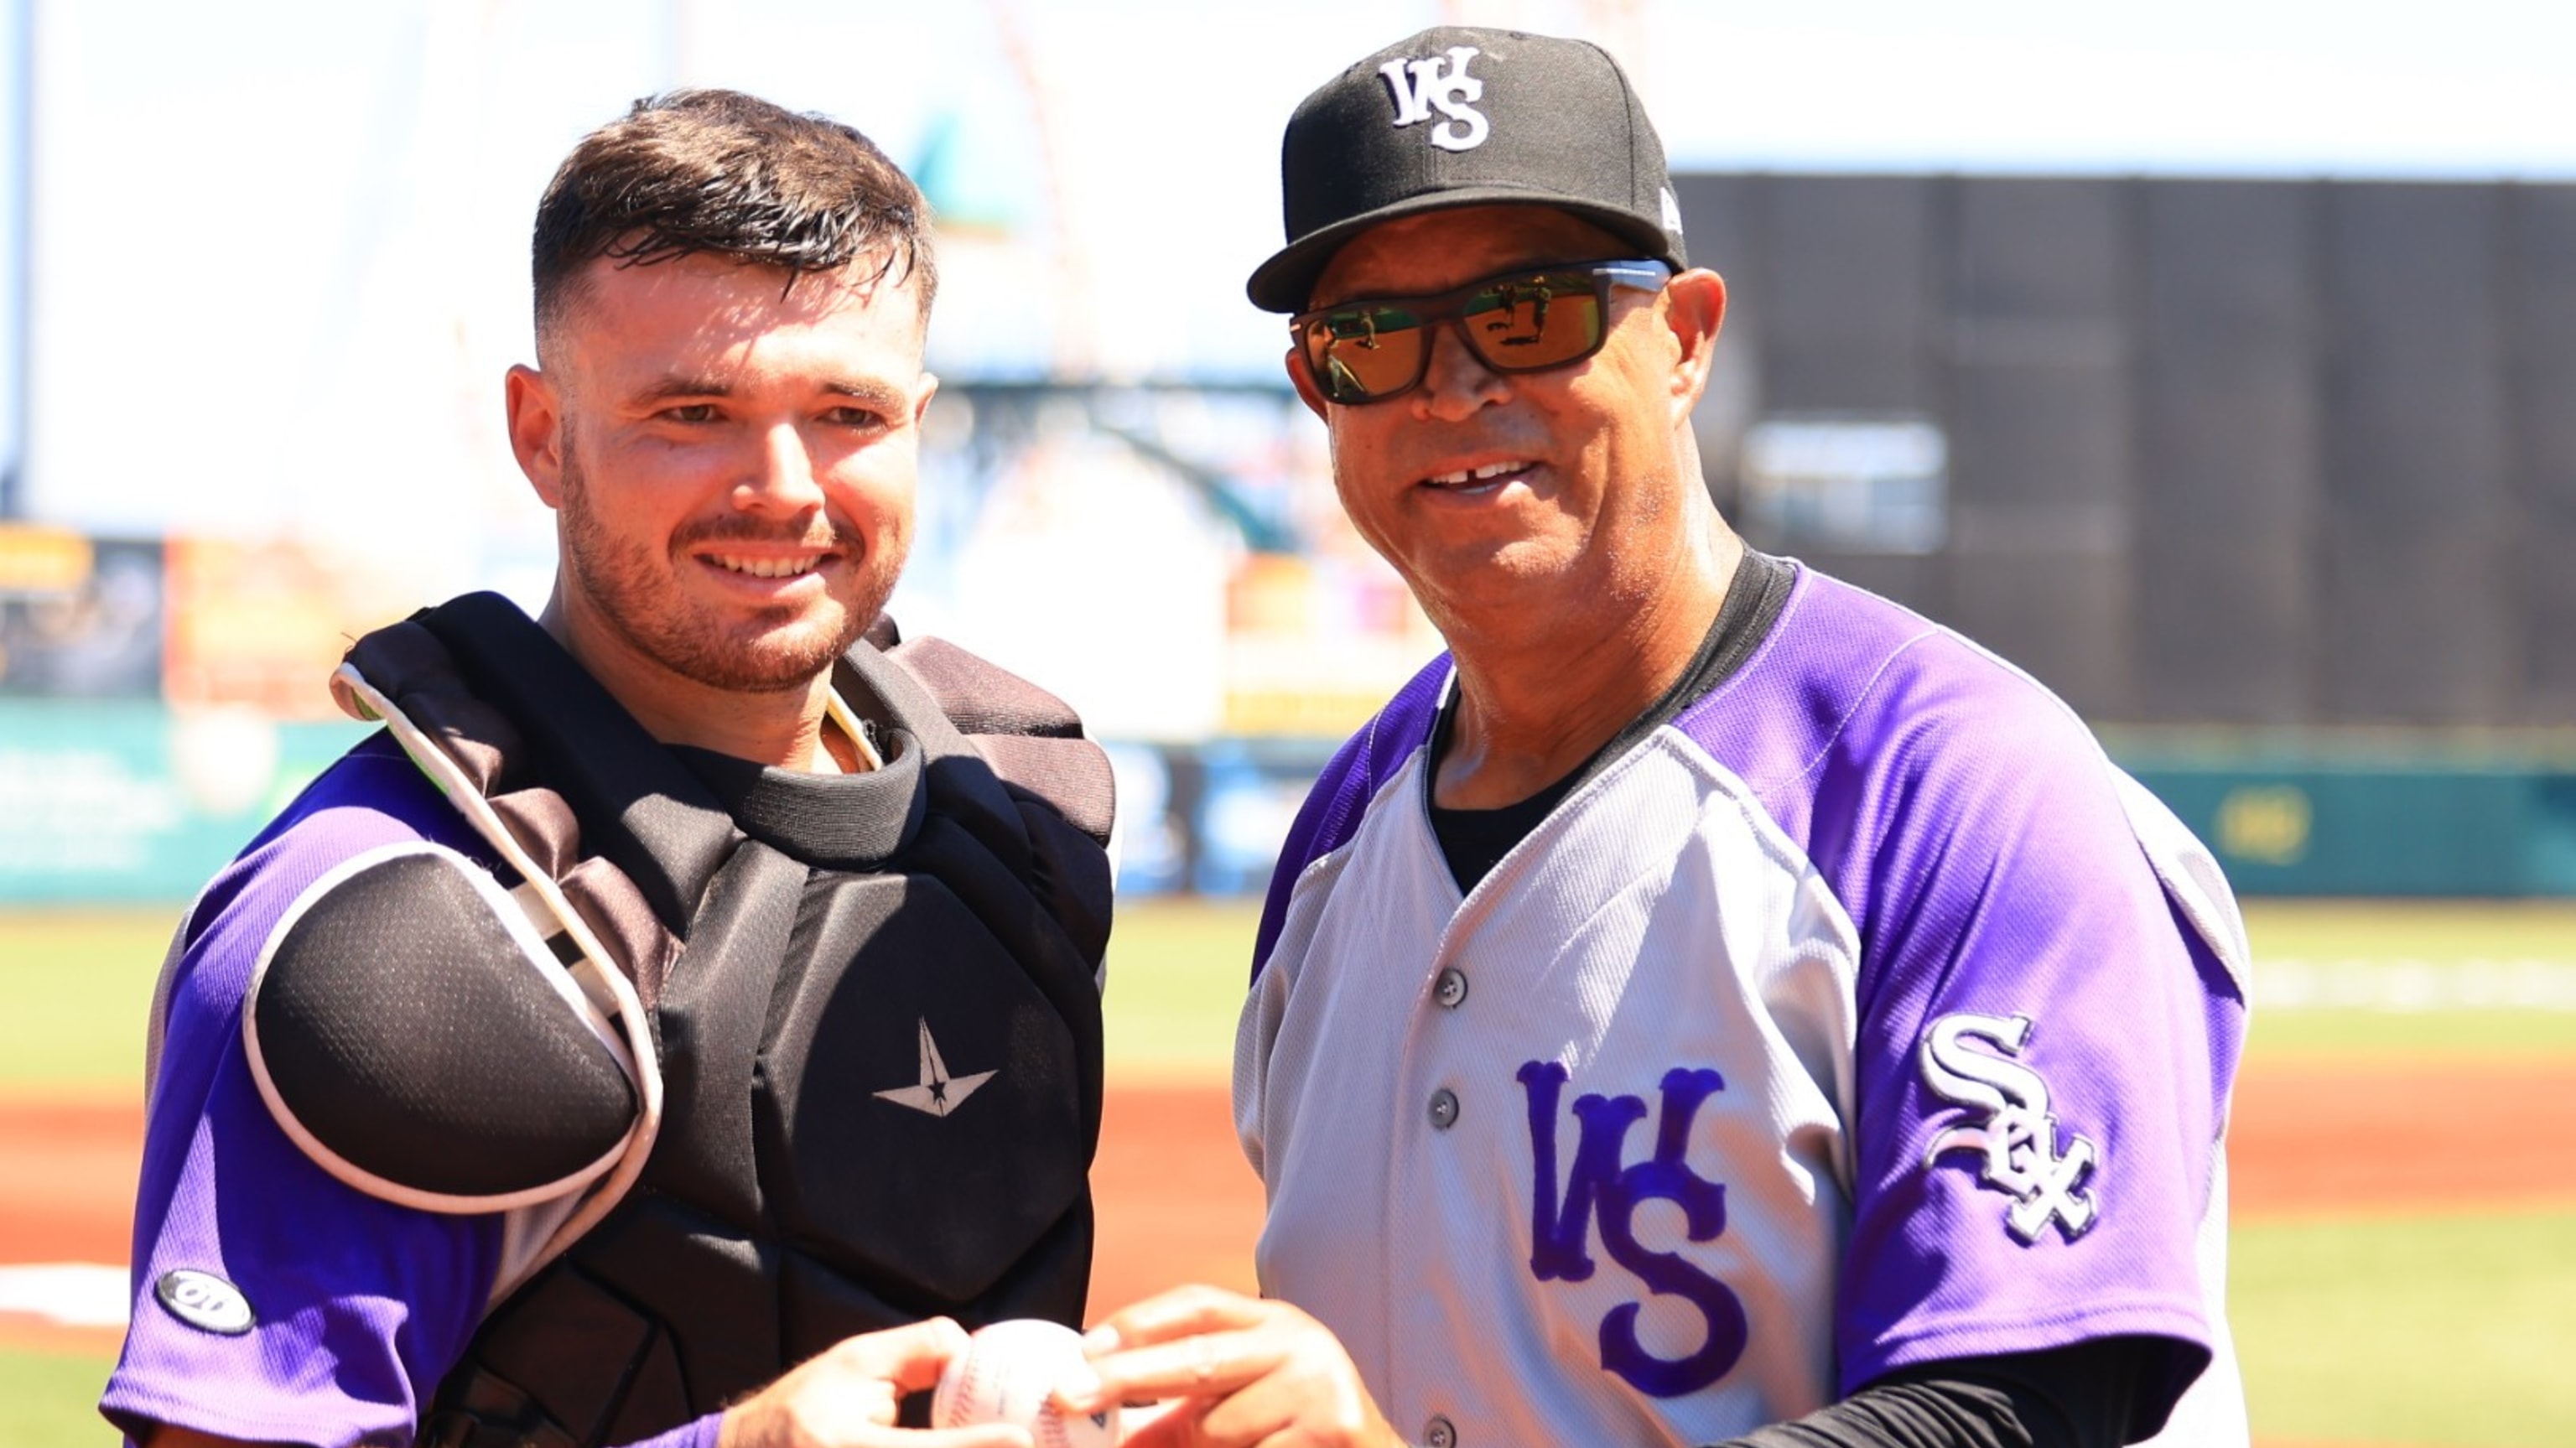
(1712, 1003)
(674, 1018)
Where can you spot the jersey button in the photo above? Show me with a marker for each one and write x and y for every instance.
(1450, 988)
(1444, 1109)
(1439, 1433)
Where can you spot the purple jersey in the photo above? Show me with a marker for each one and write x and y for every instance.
(1860, 1014)
(272, 1302)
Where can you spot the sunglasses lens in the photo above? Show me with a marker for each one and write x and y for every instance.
(1531, 322)
(1368, 350)
(1364, 353)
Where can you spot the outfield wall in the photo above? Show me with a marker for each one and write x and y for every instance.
(2392, 825)
(2269, 453)
(131, 801)
(118, 801)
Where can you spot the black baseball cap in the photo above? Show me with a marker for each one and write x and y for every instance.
(1462, 116)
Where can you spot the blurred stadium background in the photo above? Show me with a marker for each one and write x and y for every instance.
(2217, 366)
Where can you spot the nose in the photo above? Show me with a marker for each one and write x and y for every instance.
(1455, 381)
(780, 478)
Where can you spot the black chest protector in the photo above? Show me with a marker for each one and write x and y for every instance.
(876, 1005)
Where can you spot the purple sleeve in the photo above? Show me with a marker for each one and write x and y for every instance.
(2045, 1045)
(356, 1307)
(1340, 798)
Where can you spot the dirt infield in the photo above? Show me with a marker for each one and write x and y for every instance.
(67, 1194)
(1177, 1204)
(2342, 1139)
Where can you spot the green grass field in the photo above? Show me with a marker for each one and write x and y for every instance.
(48, 1400)
(74, 989)
(2427, 1332)
(2417, 1330)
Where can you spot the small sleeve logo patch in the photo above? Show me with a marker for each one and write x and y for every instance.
(2017, 1139)
(204, 1301)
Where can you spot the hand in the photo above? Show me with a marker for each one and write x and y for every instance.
(1246, 1369)
(846, 1397)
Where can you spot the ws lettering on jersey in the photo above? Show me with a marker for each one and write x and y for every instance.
(1860, 1014)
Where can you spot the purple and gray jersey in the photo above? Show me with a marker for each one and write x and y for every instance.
(1861, 1014)
(272, 1302)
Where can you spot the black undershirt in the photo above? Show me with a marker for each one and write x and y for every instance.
(2100, 1393)
(1475, 840)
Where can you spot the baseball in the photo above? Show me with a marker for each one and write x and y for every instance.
(1008, 1373)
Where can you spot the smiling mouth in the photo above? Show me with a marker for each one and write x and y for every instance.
(1470, 480)
(765, 567)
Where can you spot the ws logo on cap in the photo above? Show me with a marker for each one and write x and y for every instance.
(1419, 85)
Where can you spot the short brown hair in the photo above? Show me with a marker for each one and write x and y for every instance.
(717, 171)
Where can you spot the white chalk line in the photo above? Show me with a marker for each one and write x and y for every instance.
(2403, 987)
(66, 1294)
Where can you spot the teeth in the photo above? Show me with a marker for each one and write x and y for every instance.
(1486, 473)
(766, 567)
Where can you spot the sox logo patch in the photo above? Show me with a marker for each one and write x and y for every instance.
(1603, 1184)
(1420, 85)
(2018, 1136)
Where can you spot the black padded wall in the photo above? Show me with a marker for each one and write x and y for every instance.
(2227, 453)
(2040, 420)
(2540, 380)
(1850, 281)
(2416, 624)
(2246, 452)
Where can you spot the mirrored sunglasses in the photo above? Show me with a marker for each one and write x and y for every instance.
(1525, 321)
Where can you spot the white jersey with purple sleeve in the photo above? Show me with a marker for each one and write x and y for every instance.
(272, 1302)
(1858, 1014)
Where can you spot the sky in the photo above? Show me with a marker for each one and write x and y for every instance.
(279, 245)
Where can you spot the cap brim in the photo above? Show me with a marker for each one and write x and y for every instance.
(1286, 282)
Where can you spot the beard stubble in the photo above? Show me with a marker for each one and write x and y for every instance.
(638, 596)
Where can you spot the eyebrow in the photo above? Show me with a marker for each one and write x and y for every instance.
(882, 395)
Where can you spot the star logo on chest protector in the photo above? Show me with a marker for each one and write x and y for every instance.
(938, 1093)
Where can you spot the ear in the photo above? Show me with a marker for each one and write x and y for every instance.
(536, 430)
(1694, 307)
(921, 401)
(1304, 380)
